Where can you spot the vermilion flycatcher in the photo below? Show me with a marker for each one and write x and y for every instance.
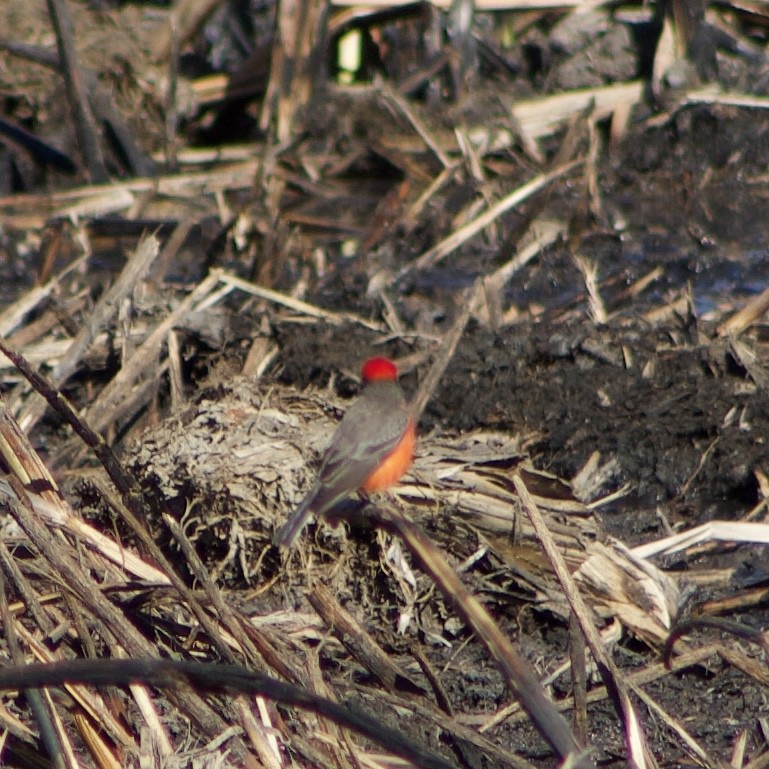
(370, 450)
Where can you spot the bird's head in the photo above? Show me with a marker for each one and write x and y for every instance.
(379, 369)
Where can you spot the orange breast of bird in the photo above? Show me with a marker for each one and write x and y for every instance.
(392, 467)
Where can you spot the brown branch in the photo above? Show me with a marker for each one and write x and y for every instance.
(85, 125)
(516, 671)
(231, 679)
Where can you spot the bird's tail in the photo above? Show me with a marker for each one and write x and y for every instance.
(287, 534)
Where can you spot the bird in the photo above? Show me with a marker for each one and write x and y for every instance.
(370, 450)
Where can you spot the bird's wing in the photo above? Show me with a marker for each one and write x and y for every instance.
(352, 458)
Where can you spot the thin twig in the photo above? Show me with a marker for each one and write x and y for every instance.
(48, 734)
(85, 125)
(305, 308)
(133, 510)
(446, 351)
(449, 244)
(98, 320)
(516, 671)
(638, 750)
(405, 109)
